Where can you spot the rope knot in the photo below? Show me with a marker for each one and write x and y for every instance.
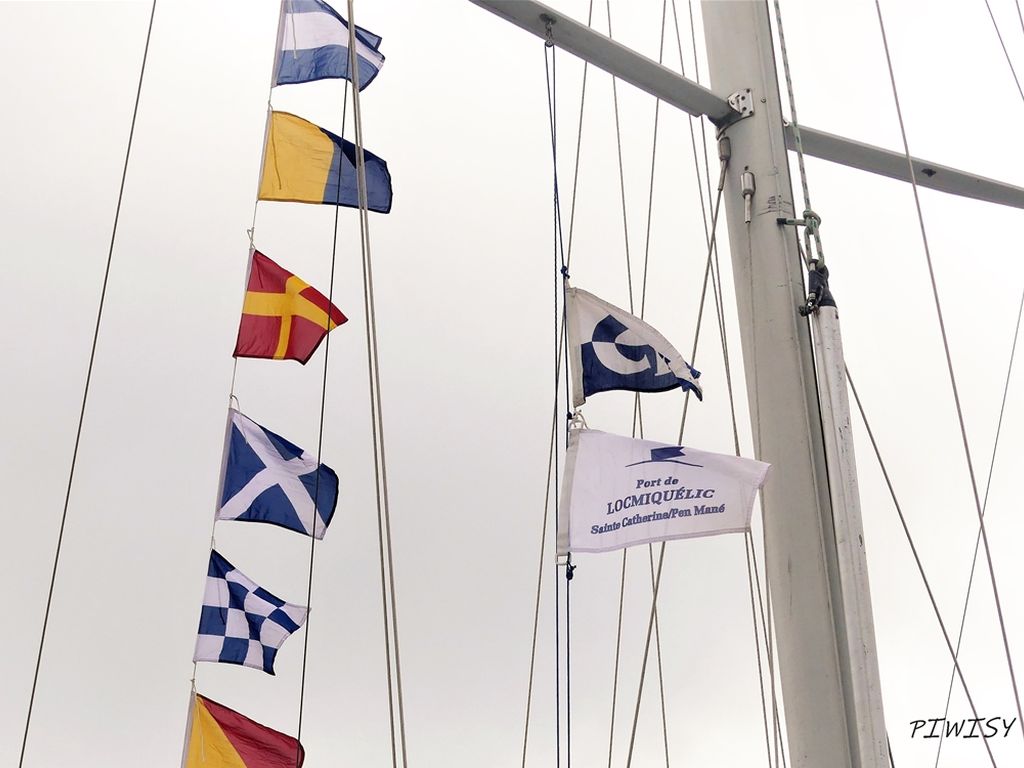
(565, 271)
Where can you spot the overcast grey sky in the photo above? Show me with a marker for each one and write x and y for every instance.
(463, 271)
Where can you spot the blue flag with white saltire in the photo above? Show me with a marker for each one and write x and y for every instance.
(241, 622)
(610, 348)
(270, 480)
(313, 44)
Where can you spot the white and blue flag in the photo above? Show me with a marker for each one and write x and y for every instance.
(270, 480)
(312, 44)
(242, 623)
(619, 492)
(610, 348)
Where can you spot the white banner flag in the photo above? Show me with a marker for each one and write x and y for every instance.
(618, 492)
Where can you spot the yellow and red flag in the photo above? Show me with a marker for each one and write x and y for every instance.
(283, 317)
(222, 738)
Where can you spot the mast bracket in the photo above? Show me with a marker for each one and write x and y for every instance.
(742, 105)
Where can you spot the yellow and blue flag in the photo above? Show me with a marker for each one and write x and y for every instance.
(303, 163)
(313, 44)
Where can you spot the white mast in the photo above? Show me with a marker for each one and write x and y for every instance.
(818, 581)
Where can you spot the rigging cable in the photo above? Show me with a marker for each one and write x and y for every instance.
(661, 555)
(638, 418)
(560, 269)
(373, 364)
(984, 507)
(637, 411)
(913, 551)
(999, 427)
(85, 390)
(554, 413)
(629, 283)
(748, 545)
(949, 366)
(1006, 53)
(777, 725)
(319, 448)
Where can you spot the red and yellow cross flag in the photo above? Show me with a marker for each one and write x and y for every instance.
(283, 317)
(219, 737)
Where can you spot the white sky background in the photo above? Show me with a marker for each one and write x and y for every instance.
(463, 272)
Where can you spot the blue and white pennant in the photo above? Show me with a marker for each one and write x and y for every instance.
(610, 349)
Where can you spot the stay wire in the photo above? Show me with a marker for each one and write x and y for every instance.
(764, 601)
(704, 203)
(638, 419)
(373, 358)
(748, 544)
(579, 143)
(637, 410)
(661, 555)
(622, 177)
(949, 367)
(85, 391)
(776, 731)
(560, 279)
(913, 551)
(1002, 44)
(629, 283)
(555, 411)
(977, 539)
(320, 441)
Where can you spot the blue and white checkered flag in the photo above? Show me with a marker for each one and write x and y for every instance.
(270, 480)
(242, 623)
(609, 348)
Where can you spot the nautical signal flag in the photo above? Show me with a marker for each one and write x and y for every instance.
(312, 44)
(619, 491)
(283, 317)
(270, 480)
(219, 737)
(609, 348)
(241, 622)
(303, 163)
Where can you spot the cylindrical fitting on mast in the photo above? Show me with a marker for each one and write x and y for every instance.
(747, 185)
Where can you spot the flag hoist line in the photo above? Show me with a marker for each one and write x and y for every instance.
(559, 337)
(560, 274)
(354, 67)
(85, 389)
